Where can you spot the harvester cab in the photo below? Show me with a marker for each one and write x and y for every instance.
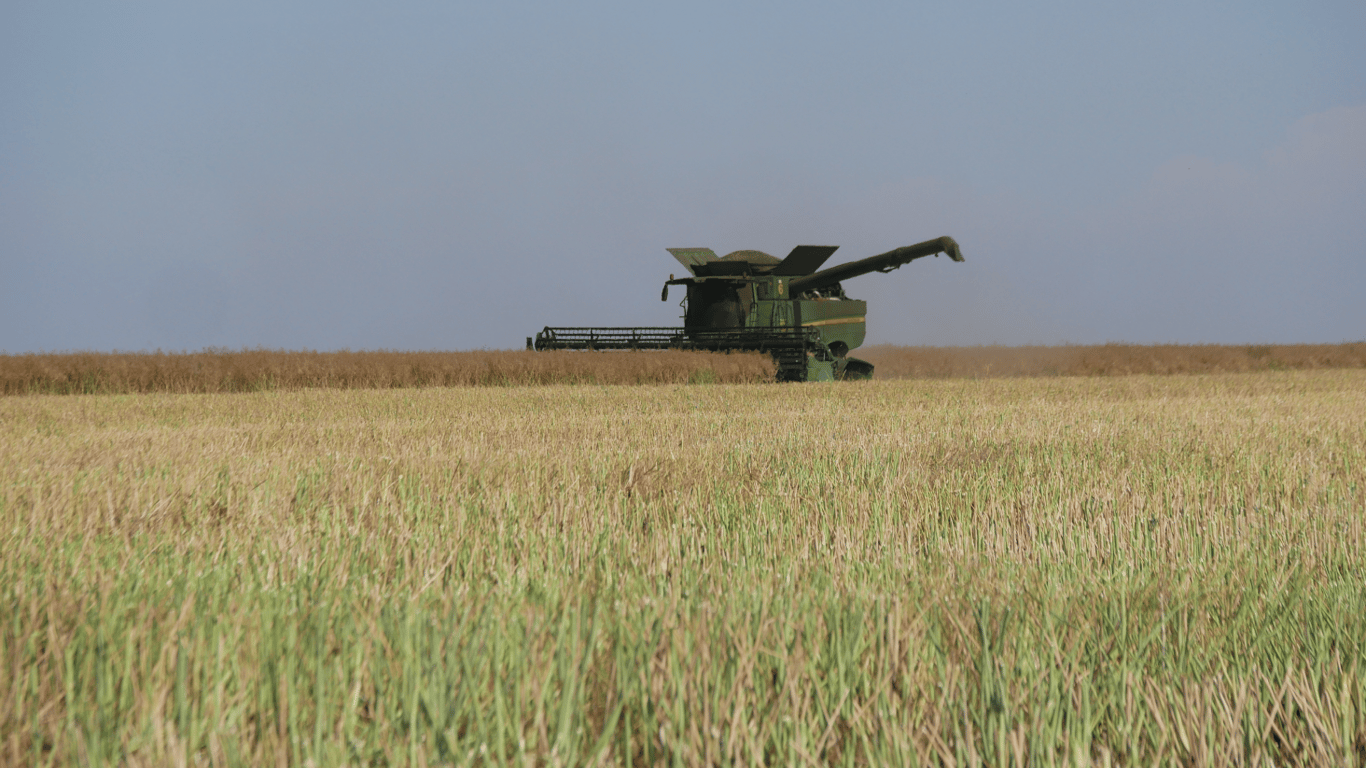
(749, 300)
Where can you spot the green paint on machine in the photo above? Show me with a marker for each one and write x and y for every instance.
(749, 300)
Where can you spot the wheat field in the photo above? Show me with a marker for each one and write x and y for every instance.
(1133, 570)
(894, 362)
(262, 370)
(265, 370)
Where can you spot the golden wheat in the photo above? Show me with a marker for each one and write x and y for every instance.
(259, 370)
(1137, 570)
(894, 362)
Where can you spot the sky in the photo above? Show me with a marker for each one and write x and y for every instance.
(457, 175)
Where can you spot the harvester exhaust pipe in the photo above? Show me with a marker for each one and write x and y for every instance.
(885, 262)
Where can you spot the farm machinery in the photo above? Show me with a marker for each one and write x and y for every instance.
(748, 300)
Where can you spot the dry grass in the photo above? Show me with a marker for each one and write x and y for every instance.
(264, 370)
(1106, 360)
(259, 370)
(1132, 571)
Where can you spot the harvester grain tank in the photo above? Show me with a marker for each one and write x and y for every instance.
(749, 300)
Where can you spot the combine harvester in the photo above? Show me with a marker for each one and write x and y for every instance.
(751, 301)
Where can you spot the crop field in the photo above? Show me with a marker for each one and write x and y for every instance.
(1135, 570)
(262, 370)
(265, 370)
(895, 362)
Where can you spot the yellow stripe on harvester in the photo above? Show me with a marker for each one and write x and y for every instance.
(835, 321)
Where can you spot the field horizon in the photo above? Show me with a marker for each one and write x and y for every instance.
(249, 370)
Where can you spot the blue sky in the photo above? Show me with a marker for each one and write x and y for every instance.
(457, 175)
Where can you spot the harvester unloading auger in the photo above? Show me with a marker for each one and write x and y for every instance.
(750, 300)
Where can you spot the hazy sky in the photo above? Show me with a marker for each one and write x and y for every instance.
(458, 175)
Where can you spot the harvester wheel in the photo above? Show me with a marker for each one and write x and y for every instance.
(856, 370)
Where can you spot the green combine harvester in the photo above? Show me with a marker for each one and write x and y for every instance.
(752, 301)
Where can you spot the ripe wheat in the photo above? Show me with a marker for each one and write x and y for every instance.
(1135, 570)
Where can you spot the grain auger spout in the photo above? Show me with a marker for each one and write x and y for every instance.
(751, 301)
(885, 262)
